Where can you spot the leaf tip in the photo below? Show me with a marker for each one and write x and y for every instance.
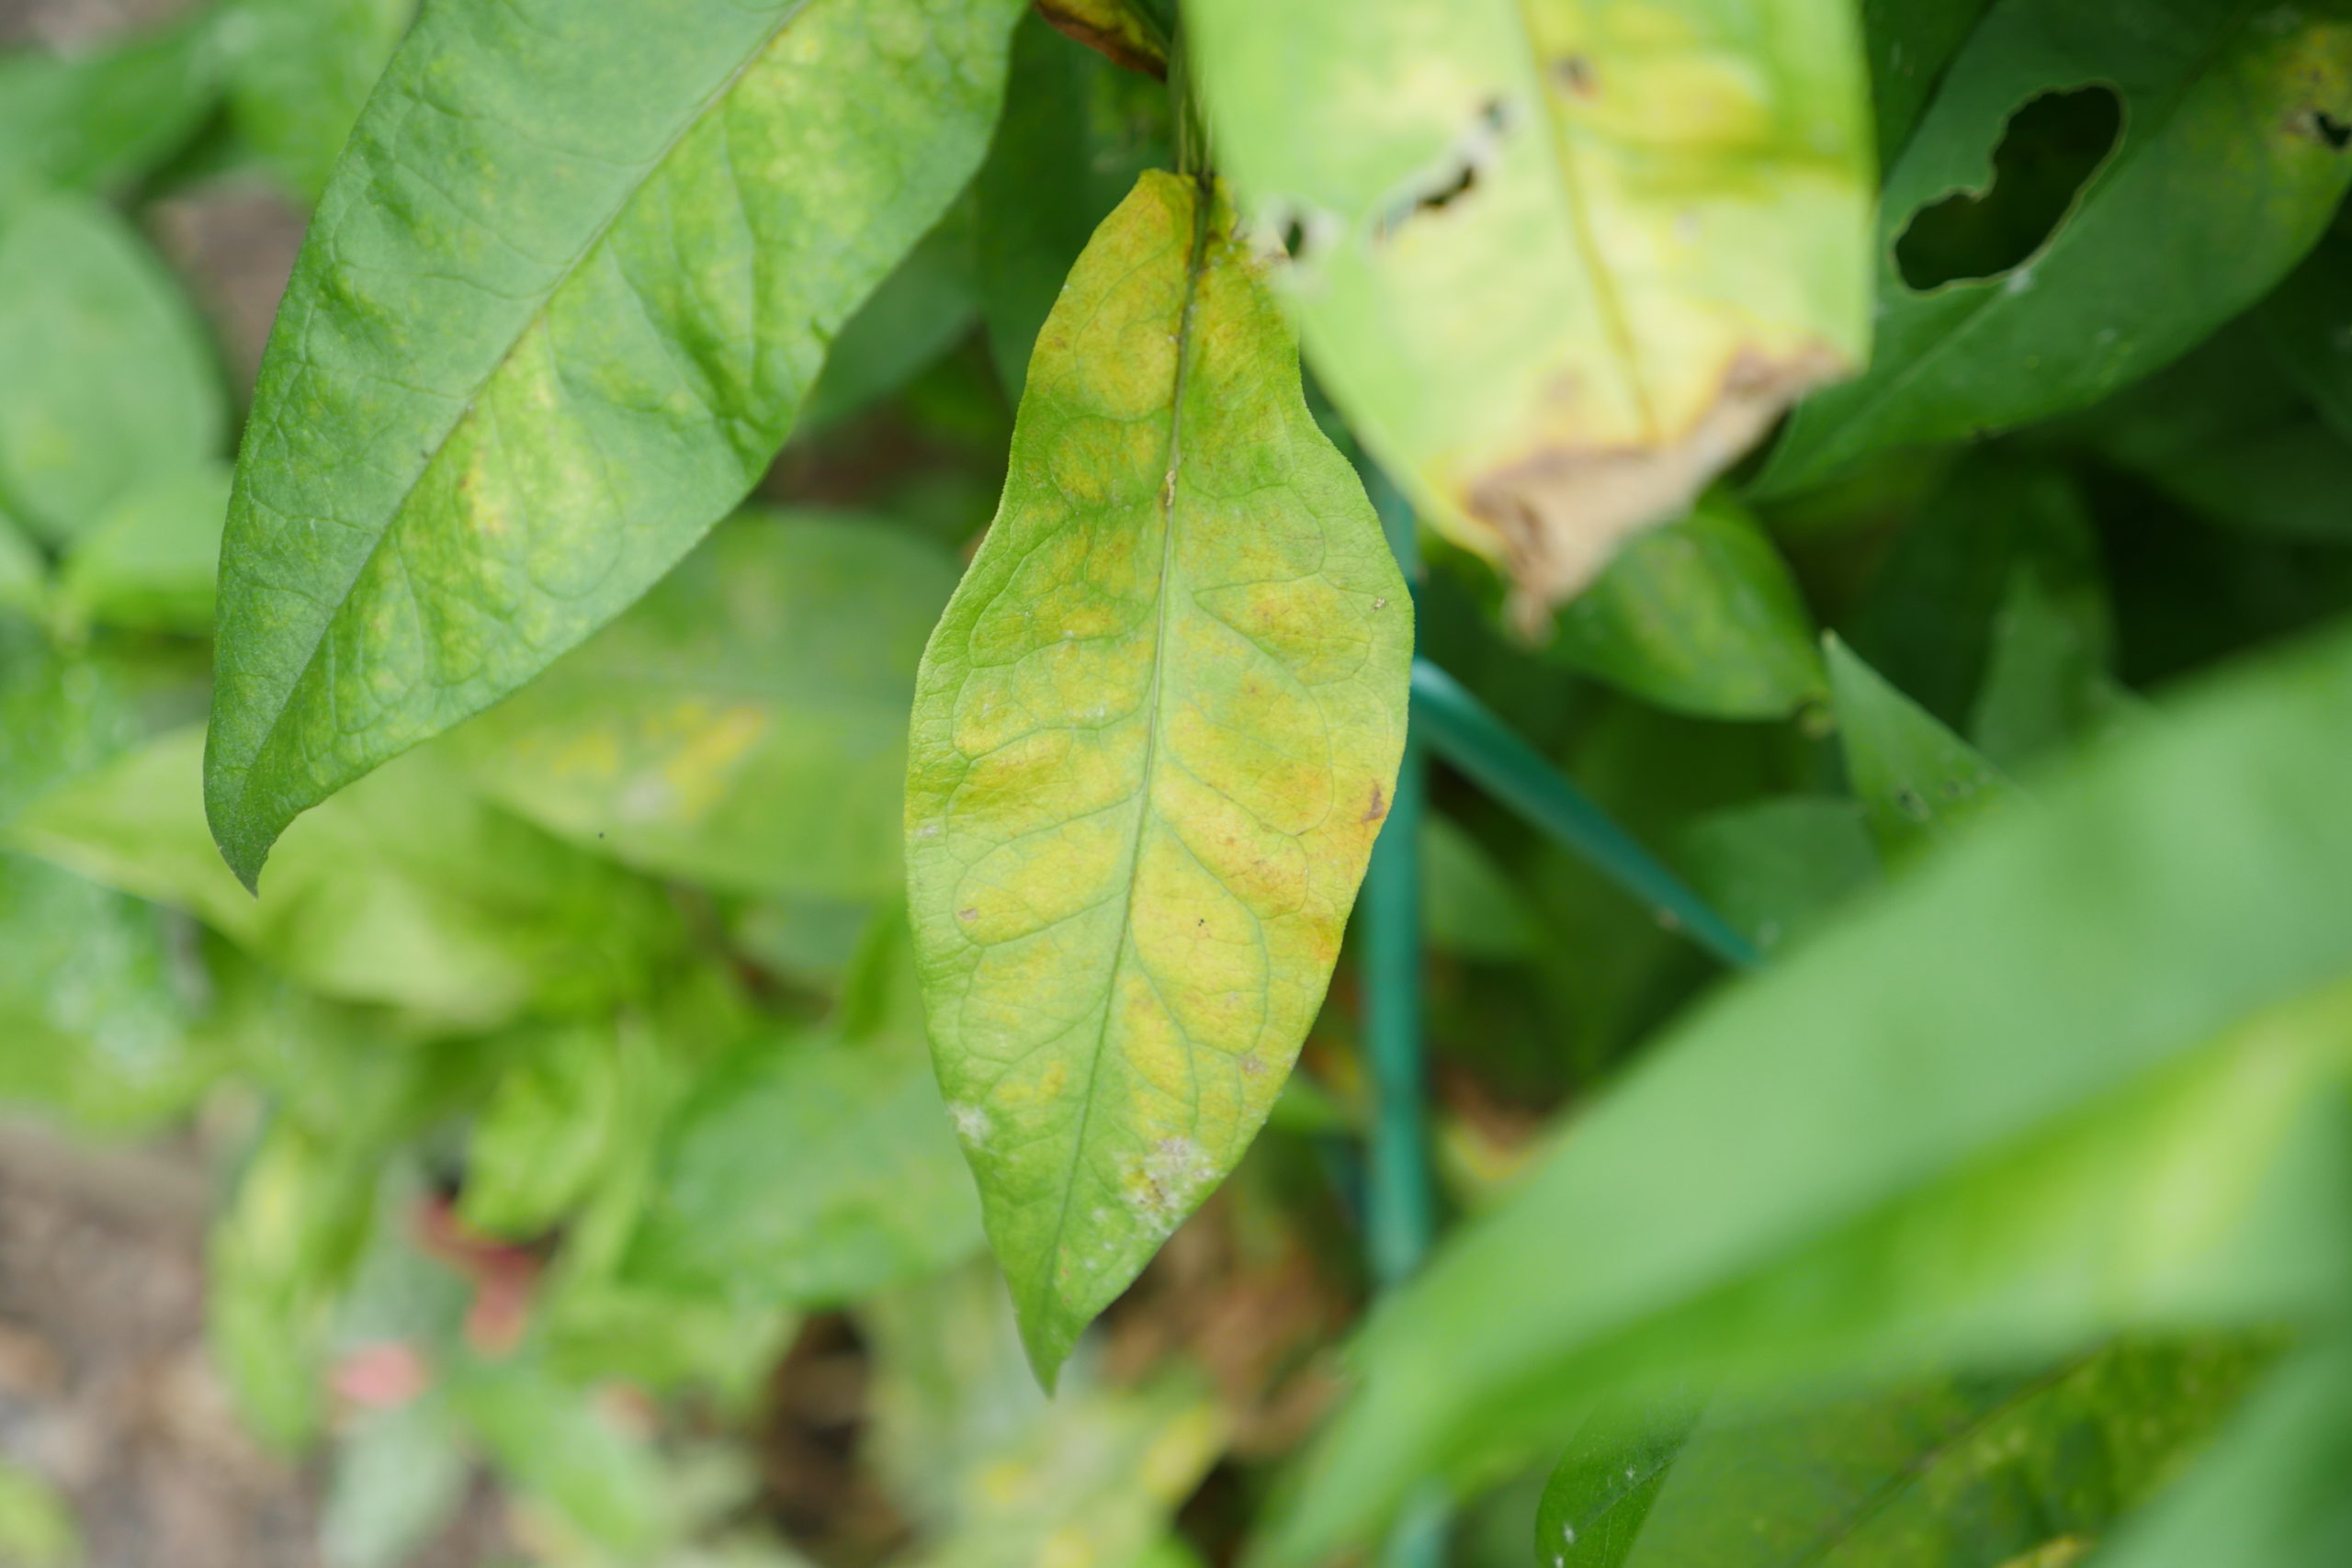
(245, 841)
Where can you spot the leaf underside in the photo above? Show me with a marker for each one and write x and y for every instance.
(557, 311)
(1154, 738)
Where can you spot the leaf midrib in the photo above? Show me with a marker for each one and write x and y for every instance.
(1615, 326)
(1194, 265)
(464, 409)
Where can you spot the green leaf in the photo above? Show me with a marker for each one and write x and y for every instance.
(110, 381)
(37, 1525)
(1558, 263)
(558, 310)
(1911, 42)
(1469, 907)
(1699, 615)
(1777, 867)
(412, 892)
(920, 311)
(24, 573)
(273, 1264)
(1095, 1479)
(96, 121)
(2220, 137)
(2272, 1494)
(2227, 434)
(149, 561)
(399, 1475)
(302, 72)
(2047, 675)
(1077, 133)
(557, 1445)
(93, 1019)
(1154, 738)
(2307, 324)
(2069, 1076)
(1961, 1471)
(810, 1173)
(744, 725)
(546, 1128)
(951, 1388)
(62, 714)
(1917, 782)
(1926, 620)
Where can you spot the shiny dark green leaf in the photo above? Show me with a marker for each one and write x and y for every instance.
(1701, 617)
(2220, 174)
(2076, 1072)
(1918, 782)
(1961, 1473)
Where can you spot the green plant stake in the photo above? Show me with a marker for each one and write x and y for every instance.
(1462, 729)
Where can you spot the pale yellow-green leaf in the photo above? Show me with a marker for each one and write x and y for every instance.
(1559, 261)
(1154, 738)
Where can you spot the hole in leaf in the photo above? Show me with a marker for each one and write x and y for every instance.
(2049, 150)
(2330, 129)
(1459, 174)
(1576, 76)
(1295, 240)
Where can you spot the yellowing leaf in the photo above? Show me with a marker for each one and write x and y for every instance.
(1560, 261)
(575, 271)
(1154, 738)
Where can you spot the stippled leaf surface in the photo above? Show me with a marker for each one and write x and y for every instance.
(1917, 780)
(2122, 993)
(1964, 1472)
(1558, 262)
(1700, 615)
(1154, 738)
(559, 306)
(109, 380)
(744, 726)
(2222, 114)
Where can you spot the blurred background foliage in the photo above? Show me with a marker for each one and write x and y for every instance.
(571, 1182)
